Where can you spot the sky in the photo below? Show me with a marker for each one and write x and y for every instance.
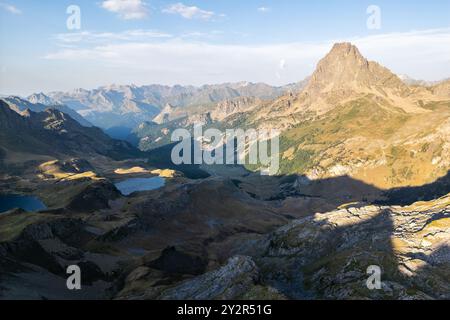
(44, 48)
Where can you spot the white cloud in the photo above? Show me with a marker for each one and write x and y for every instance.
(210, 35)
(189, 12)
(10, 8)
(98, 37)
(127, 9)
(263, 9)
(420, 54)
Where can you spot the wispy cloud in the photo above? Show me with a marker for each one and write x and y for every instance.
(421, 54)
(210, 35)
(263, 9)
(10, 8)
(189, 12)
(99, 37)
(127, 9)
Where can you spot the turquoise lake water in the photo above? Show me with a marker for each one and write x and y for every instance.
(27, 203)
(129, 186)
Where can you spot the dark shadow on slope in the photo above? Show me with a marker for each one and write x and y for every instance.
(344, 188)
(331, 262)
(161, 158)
(349, 250)
(408, 195)
(123, 133)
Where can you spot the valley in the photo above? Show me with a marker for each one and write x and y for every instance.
(363, 180)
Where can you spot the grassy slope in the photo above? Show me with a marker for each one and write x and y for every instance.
(365, 131)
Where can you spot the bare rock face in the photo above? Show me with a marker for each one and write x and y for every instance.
(229, 107)
(327, 256)
(345, 69)
(229, 282)
(344, 74)
(442, 89)
(203, 119)
(165, 115)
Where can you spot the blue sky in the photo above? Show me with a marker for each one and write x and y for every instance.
(209, 41)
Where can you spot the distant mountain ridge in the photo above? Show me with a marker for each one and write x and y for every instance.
(416, 82)
(442, 89)
(19, 105)
(42, 99)
(54, 133)
(130, 105)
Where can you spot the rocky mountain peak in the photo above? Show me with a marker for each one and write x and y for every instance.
(345, 69)
(344, 55)
(42, 99)
(345, 47)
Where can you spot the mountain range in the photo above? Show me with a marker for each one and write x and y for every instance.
(31, 135)
(356, 117)
(129, 105)
(364, 181)
(20, 105)
(350, 110)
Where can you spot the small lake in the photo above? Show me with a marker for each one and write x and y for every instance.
(27, 203)
(129, 186)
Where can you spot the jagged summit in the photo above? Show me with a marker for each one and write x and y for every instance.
(344, 75)
(345, 69)
(42, 99)
(346, 49)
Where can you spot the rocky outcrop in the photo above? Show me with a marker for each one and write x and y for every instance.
(95, 196)
(442, 89)
(165, 115)
(33, 264)
(49, 244)
(229, 282)
(229, 107)
(327, 256)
